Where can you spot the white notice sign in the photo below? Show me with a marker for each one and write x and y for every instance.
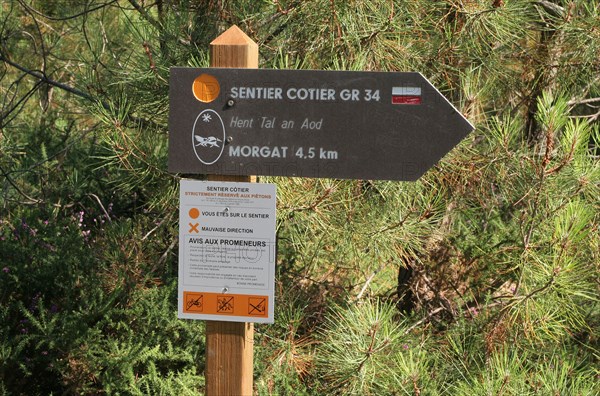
(227, 251)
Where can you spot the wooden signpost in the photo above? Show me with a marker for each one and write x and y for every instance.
(230, 345)
(232, 123)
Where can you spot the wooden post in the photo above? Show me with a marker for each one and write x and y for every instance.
(230, 345)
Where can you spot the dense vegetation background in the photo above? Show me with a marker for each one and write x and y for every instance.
(479, 279)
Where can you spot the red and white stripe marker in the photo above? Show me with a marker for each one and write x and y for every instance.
(406, 95)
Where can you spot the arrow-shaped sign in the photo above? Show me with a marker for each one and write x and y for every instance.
(338, 124)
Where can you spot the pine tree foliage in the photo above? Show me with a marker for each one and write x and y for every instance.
(366, 350)
(481, 278)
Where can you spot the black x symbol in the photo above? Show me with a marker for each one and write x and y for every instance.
(260, 307)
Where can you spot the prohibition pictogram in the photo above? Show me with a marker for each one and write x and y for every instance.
(225, 304)
(194, 302)
(257, 305)
(194, 227)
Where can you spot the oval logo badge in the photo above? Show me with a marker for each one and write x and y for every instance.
(208, 137)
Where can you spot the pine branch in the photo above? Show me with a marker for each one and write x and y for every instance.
(4, 115)
(425, 319)
(12, 183)
(145, 15)
(101, 206)
(583, 101)
(82, 13)
(44, 78)
(551, 8)
(366, 285)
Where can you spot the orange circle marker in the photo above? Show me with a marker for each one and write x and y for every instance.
(194, 213)
(206, 88)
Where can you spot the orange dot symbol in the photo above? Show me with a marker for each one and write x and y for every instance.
(194, 213)
(206, 88)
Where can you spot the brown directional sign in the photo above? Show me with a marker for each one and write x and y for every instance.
(337, 124)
